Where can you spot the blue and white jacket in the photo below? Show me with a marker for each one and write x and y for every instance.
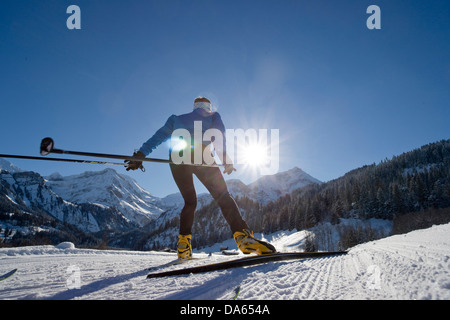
(185, 121)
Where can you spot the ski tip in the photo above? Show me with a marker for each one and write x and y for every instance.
(236, 292)
(7, 275)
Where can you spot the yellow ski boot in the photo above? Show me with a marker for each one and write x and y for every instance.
(249, 244)
(184, 248)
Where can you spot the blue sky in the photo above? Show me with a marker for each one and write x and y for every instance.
(342, 95)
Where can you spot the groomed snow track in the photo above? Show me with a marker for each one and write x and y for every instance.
(410, 266)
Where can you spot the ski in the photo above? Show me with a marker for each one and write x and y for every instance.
(236, 292)
(245, 262)
(7, 275)
(173, 263)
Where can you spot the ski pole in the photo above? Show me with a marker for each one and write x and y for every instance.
(59, 159)
(47, 146)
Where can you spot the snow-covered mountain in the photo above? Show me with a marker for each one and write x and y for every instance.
(27, 192)
(109, 189)
(271, 187)
(8, 166)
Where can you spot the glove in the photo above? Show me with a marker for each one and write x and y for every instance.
(135, 164)
(229, 168)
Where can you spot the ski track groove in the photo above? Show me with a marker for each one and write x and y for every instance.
(310, 277)
(311, 287)
(415, 264)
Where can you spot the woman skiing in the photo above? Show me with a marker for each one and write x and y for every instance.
(210, 176)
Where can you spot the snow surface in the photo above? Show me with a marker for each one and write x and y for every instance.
(410, 266)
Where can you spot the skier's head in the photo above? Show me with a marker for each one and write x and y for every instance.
(203, 103)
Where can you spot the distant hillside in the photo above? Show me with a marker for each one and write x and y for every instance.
(411, 182)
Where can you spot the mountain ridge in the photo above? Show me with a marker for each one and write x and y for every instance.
(110, 189)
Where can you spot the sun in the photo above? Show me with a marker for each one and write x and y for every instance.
(255, 155)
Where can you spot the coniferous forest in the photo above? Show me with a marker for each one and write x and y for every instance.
(412, 182)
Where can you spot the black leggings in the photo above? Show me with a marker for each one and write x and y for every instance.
(212, 179)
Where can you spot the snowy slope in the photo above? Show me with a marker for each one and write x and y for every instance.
(410, 266)
(110, 189)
